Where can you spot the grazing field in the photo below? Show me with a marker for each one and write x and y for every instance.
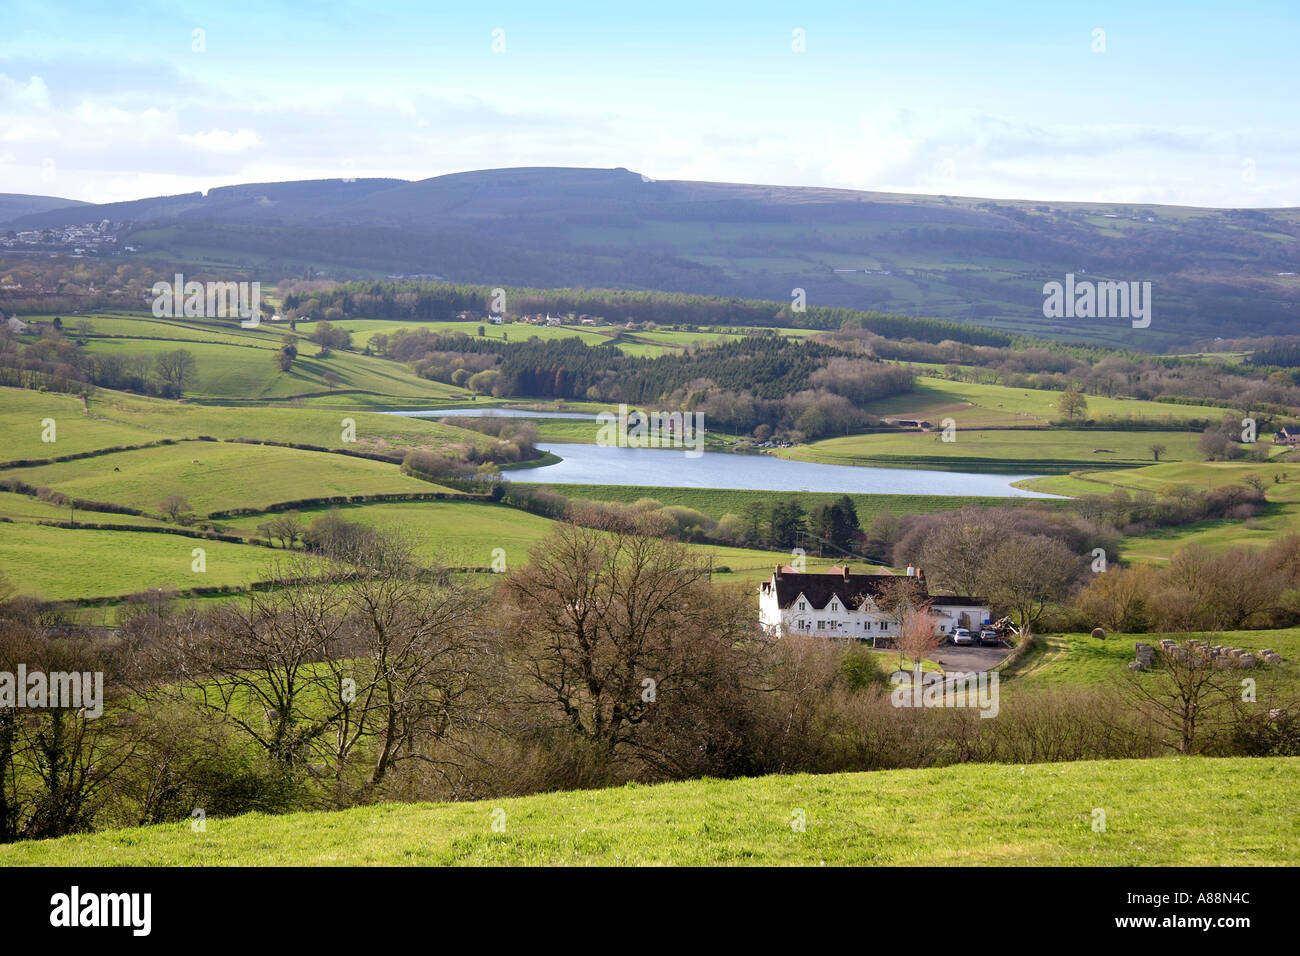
(1158, 546)
(1281, 481)
(1014, 448)
(460, 533)
(18, 507)
(249, 373)
(238, 365)
(1166, 812)
(216, 476)
(22, 414)
(120, 418)
(467, 533)
(61, 563)
(1075, 659)
(974, 405)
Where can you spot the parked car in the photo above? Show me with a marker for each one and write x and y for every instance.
(989, 638)
(962, 635)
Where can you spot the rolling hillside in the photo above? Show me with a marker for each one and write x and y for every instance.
(963, 259)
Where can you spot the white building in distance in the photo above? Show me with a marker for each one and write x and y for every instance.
(841, 604)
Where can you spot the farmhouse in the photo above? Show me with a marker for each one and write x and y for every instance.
(842, 604)
(1287, 436)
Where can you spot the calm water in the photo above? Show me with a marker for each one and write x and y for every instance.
(670, 468)
(493, 412)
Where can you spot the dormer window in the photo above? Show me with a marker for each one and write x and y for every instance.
(803, 605)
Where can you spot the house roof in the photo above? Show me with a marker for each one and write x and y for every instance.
(851, 589)
(819, 589)
(958, 600)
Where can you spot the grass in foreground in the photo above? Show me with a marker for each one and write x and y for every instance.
(1173, 811)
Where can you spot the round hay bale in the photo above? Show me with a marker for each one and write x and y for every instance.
(1098, 633)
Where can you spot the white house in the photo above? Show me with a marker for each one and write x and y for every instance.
(842, 604)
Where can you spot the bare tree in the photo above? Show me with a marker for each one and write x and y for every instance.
(1119, 598)
(1185, 694)
(286, 528)
(177, 369)
(1026, 573)
(609, 623)
(174, 507)
(955, 552)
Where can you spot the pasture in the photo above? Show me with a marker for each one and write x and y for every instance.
(1164, 812)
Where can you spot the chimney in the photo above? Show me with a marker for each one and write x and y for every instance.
(911, 571)
(846, 572)
(777, 573)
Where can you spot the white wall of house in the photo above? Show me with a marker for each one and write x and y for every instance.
(867, 622)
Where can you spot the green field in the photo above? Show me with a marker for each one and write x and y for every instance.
(119, 418)
(226, 475)
(61, 563)
(1282, 514)
(975, 405)
(1167, 812)
(22, 415)
(1019, 448)
(238, 365)
(466, 533)
(1080, 659)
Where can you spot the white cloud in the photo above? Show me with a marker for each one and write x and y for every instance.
(223, 140)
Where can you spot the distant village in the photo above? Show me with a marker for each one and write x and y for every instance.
(86, 238)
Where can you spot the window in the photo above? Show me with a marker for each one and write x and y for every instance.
(884, 625)
(803, 605)
(833, 607)
(821, 625)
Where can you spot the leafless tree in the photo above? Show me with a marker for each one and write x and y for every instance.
(174, 507)
(1186, 694)
(1026, 573)
(954, 554)
(612, 623)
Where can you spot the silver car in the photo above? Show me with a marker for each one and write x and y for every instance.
(962, 635)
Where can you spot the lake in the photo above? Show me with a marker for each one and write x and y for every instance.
(670, 468)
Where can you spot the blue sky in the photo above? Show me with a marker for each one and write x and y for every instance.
(1191, 103)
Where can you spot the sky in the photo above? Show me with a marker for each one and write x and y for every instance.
(1189, 103)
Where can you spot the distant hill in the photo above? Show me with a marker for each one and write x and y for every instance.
(1213, 271)
(15, 205)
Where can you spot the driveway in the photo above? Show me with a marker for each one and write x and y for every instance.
(954, 658)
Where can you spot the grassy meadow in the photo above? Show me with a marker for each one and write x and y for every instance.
(1020, 448)
(217, 476)
(1081, 659)
(63, 563)
(1242, 814)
